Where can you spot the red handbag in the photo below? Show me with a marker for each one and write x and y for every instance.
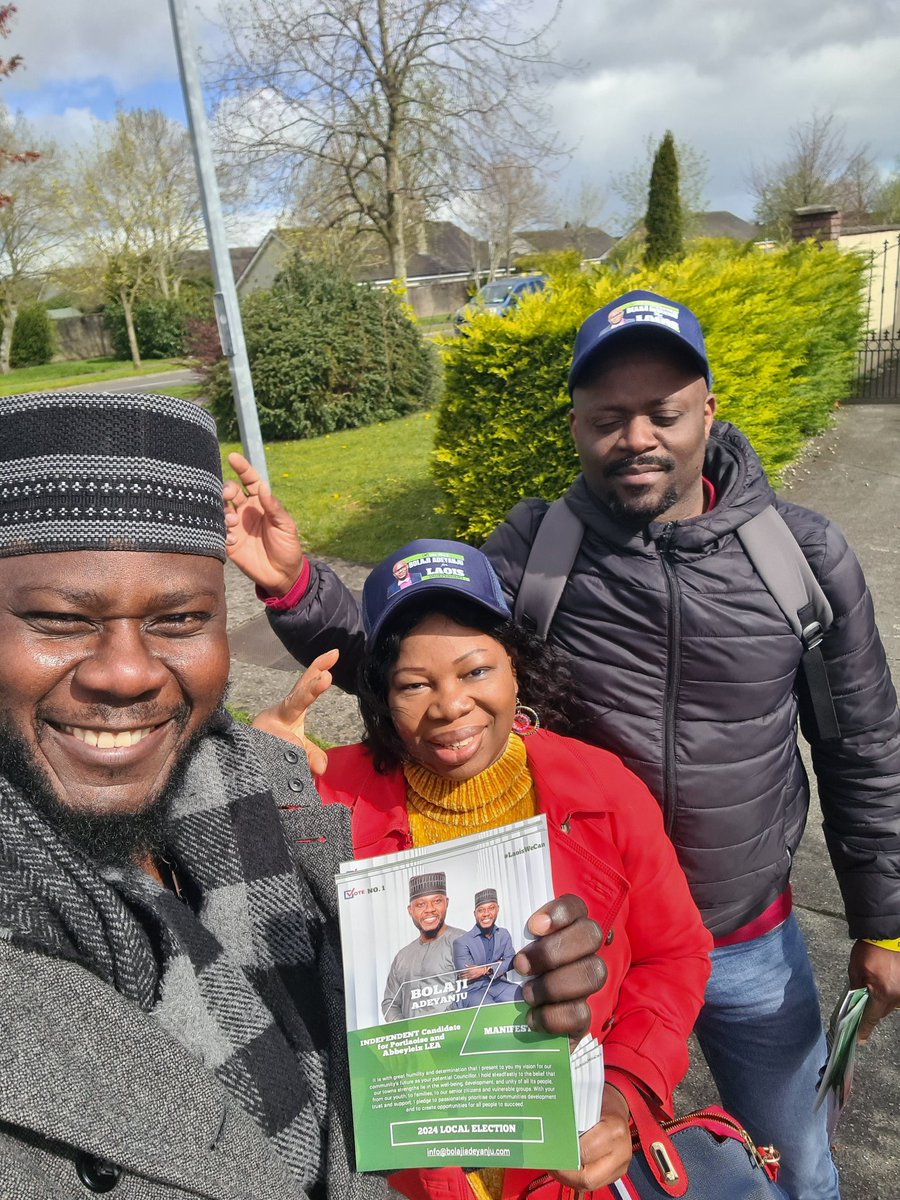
(704, 1155)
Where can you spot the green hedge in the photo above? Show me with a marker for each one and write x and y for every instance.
(160, 326)
(327, 354)
(33, 339)
(782, 331)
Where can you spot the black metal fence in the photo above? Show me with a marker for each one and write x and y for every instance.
(878, 371)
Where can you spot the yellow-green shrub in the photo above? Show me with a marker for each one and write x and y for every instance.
(782, 330)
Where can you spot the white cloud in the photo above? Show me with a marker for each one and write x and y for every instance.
(729, 78)
(72, 127)
(128, 42)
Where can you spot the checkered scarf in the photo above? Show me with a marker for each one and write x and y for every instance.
(231, 974)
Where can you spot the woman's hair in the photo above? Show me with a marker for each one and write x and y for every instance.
(543, 678)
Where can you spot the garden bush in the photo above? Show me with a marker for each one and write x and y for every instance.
(327, 354)
(782, 331)
(160, 325)
(33, 339)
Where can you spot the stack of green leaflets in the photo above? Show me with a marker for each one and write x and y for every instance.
(445, 1070)
(843, 1035)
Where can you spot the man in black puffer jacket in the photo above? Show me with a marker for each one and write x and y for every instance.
(690, 672)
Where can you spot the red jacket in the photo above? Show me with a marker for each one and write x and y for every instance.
(607, 845)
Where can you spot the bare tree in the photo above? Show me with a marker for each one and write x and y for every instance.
(508, 196)
(580, 213)
(132, 204)
(887, 202)
(633, 185)
(390, 96)
(30, 226)
(857, 191)
(819, 168)
(309, 226)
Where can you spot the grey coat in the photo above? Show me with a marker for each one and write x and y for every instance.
(85, 1075)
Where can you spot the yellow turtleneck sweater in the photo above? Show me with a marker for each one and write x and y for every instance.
(441, 809)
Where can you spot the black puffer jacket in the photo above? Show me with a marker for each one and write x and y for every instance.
(689, 670)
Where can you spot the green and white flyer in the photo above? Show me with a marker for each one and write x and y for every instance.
(444, 1069)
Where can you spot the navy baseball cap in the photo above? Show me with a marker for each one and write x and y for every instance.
(429, 565)
(628, 315)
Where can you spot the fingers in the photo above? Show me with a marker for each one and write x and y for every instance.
(565, 966)
(251, 485)
(317, 758)
(572, 1020)
(574, 981)
(564, 942)
(269, 722)
(878, 969)
(876, 1010)
(314, 682)
(556, 914)
(287, 720)
(559, 999)
(245, 471)
(605, 1149)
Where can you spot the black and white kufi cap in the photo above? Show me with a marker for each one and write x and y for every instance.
(428, 885)
(486, 896)
(109, 472)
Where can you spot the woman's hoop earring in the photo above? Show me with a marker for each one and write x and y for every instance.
(526, 721)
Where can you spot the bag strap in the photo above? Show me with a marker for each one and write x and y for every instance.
(550, 561)
(659, 1150)
(780, 563)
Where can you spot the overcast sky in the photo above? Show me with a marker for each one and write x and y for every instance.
(730, 78)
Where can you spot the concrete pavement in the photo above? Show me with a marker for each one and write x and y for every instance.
(852, 474)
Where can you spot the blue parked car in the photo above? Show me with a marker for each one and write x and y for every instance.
(500, 297)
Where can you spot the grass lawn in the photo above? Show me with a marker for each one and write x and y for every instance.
(88, 370)
(359, 495)
(188, 391)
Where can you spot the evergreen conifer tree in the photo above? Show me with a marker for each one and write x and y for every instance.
(665, 235)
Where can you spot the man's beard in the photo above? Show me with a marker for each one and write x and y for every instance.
(641, 510)
(107, 839)
(430, 934)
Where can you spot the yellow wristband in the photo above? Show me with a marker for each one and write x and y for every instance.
(884, 943)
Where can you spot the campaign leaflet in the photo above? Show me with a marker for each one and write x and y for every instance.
(444, 1069)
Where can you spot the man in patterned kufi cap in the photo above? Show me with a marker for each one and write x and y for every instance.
(155, 933)
(422, 980)
(170, 993)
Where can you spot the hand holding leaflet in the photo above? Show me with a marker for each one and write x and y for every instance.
(446, 1069)
(843, 1041)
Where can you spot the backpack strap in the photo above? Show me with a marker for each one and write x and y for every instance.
(550, 561)
(781, 564)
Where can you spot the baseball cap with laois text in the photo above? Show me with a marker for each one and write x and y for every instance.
(426, 566)
(628, 315)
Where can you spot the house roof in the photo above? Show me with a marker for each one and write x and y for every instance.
(721, 223)
(593, 243)
(890, 227)
(199, 262)
(449, 250)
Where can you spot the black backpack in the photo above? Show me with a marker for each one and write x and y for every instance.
(767, 542)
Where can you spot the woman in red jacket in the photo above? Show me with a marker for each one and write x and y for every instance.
(452, 747)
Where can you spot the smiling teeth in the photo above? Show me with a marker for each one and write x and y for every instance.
(461, 745)
(105, 739)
